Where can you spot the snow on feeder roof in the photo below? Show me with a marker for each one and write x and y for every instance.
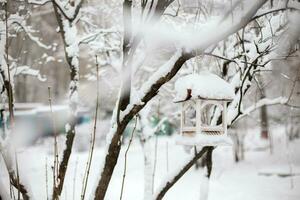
(203, 86)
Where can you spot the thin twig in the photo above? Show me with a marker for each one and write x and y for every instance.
(9, 88)
(74, 178)
(55, 161)
(18, 175)
(46, 174)
(125, 163)
(154, 164)
(93, 135)
(272, 11)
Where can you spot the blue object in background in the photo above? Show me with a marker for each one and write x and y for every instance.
(36, 120)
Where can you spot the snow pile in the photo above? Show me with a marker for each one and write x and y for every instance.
(205, 85)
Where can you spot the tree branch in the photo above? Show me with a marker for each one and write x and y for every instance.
(67, 27)
(69, 16)
(169, 183)
(39, 2)
(263, 102)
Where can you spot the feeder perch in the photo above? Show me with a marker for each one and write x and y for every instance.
(200, 95)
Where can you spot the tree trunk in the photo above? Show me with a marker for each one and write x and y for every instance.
(67, 25)
(205, 180)
(264, 124)
(110, 163)
(126, 68)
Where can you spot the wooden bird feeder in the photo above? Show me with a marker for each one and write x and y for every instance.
(203, 98)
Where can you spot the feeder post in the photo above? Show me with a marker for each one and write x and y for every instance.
(224, 116)
(182, 116)
(198, 116)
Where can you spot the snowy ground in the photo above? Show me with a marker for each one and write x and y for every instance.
(230, 181)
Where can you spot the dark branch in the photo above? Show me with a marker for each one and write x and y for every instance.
(174, 179)
(272, 11)
(76, 12)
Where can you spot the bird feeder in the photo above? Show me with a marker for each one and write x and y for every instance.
(203, 98)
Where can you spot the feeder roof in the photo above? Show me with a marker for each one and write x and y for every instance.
(203, 86)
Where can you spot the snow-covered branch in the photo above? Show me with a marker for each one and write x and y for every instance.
(19, 21)
(158, 76)
(66, 12)
(264, 102)
(9, 158)
(172, 179)
(93, 36)
(26, 70)
(102, 40)
(69, 9)
(39, 2)
(223, 28)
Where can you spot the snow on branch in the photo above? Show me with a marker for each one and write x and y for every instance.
(99, 40)
(39, 2)
(264, 102)
(243, 84)
(161, 72)
(158, 78)
(173, 178)
(146, 93)
(17, 179)
(222, 28)
(89, 37)
(26, 70)
(19, 21)
(68, 8)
